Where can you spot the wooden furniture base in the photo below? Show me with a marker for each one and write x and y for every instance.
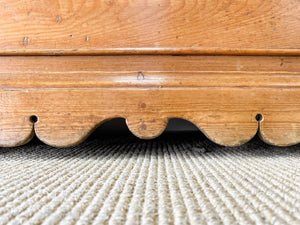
(230, 67)
(230, 98)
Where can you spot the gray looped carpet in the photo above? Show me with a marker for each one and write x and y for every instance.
(179, 178)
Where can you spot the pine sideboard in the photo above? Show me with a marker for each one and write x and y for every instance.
(232, 68)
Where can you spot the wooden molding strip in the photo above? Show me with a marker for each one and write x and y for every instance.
(62, 100)
(149, 79)
(150, 51)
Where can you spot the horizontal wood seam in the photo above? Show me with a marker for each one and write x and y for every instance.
(152, 51)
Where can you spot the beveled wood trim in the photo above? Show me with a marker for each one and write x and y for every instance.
(149, 79)
(221, 95)
(149, 71)
(150, 51)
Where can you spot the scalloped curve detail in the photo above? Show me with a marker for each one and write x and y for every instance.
(264, 137)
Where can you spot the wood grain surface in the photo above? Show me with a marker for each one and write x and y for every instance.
(94, 27)
(222, 95)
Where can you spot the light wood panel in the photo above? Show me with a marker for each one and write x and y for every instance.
(71, 96)
(93, 27)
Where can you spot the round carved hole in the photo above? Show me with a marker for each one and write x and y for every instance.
(33, 119)
(259, 117)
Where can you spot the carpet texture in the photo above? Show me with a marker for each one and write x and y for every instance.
(175, 179)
